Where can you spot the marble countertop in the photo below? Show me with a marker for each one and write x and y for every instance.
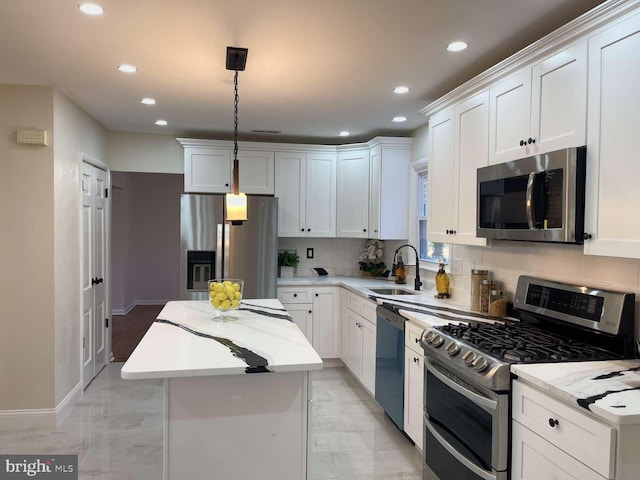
(185, 341)
(609, 389)
(422, 309)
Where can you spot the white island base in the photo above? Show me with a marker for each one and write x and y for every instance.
(236, 427)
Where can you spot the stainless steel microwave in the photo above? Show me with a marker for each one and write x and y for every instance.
(535, 199)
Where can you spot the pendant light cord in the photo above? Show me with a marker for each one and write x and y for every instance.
(236, 187)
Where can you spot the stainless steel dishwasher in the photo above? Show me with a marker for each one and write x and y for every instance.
(390, 363)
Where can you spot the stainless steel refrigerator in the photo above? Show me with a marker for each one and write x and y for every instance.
(213, 249)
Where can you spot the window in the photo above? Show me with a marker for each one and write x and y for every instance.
(429, 251)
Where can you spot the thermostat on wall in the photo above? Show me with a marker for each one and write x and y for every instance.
(32, 137)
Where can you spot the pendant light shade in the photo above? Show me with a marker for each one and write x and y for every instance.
(236, 202)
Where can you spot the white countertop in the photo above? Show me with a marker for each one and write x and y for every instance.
(194, 344)
(609, 389)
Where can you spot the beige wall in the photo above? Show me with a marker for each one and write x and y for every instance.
(75, 134)
(143, 152)
(27, 285)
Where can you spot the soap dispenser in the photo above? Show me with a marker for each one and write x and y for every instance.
(442, 282)
(401, 271)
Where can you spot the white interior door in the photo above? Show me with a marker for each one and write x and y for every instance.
(94, 231)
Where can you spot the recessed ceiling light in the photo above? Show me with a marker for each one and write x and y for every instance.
(124, 68)
(162, 123)
(399, 119)
(91, 8)
(148, 101)
(344, 133)
(456, 46)
(400, 90)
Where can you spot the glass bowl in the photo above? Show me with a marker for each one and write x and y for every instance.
(225, 295)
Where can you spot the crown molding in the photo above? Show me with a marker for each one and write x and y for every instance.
(588, 23)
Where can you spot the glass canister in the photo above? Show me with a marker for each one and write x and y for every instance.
(486, 287)
(477, 276)
(497, 304)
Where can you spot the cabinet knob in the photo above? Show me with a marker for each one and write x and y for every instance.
(531, 140)
(364, 229)
(310, 311)
(295, 295)
(522, 143)
(587, 236)
(226, 184)
(376, 231)
(453, 232)
(317, 295)
(416, 359)
(553, 422)
(308, 229)
(302, 229)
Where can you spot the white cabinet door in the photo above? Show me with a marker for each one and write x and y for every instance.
(355, 344)
(510, 117)
(368, 379)
(353, 194)
(533, 458)
(290, 188)
(471, 153)
(413, 395)
(326, 326)
(389, 195)
(344, 327)
(256, 172)
(207, 170)
(302, 315)
(613, 170)
(441, 176)
(559, 100)
(321, 195)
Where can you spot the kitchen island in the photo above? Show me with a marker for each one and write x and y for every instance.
(237, 392)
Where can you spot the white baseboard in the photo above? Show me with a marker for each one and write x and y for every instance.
(126, 310)
(67, 403)
(32, 419)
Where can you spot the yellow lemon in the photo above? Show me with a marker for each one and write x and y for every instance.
(218, 287)
(237, 296)
(235, 303)
(215, 302)
(212, 286)
(212, 295)
(226, 283)
(236, 286)
(230, 292)
(221, 296)
(225, 305)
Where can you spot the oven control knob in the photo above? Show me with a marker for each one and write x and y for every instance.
(480, 364)
(437, 341)
(428, 337)
(453, 349)
(469, 357)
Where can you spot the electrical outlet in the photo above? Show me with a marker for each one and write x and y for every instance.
(309, 252)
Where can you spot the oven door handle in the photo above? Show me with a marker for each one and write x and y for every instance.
(531, 218)
(458, 456)
(483, 402)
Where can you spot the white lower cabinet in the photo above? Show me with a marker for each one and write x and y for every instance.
(358, 332)
(554, 440)
(413, 384)
(317, 310)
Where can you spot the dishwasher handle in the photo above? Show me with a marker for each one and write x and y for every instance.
(396, 320)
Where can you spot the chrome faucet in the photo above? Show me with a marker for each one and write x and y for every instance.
(418, 283)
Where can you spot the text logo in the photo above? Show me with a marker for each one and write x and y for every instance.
(50, 467)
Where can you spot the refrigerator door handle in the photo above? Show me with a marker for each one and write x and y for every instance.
(220, 231)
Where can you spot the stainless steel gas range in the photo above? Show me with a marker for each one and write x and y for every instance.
(467, 369)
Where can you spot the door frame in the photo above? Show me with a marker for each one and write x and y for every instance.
(91, 160)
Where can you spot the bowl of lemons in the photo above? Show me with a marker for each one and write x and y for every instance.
(225, 295)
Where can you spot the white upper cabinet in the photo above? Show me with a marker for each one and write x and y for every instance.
(321, 195)
(353, 194)
(541, 108)
(388, 190)
(305, 184)
(441, 176)
(559, 100)
(471, 151)
(207, 170)
(291, 188)
(613, 170)
(208, 165)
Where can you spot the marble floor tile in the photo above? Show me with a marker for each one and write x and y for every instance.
(116, 431)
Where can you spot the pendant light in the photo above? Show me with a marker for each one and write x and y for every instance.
(236, 201)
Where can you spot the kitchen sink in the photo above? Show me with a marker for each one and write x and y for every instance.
(393, 291)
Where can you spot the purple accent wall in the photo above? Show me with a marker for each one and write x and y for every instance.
(145, 237)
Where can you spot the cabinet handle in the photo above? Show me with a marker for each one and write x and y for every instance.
(587, 236)
(417, 340)
(522, 143)
(94, 281)
(447, 232)
(553, 422)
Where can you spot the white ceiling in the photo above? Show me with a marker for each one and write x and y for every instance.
(315, 67)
